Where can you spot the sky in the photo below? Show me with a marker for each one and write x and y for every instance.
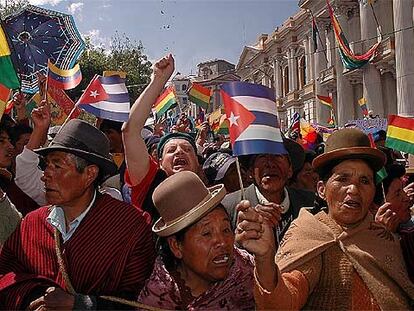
(194, 31)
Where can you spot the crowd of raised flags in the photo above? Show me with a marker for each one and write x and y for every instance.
(250, 110)
(250, 116)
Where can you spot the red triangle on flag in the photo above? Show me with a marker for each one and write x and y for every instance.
(239, 117)
(94, 92)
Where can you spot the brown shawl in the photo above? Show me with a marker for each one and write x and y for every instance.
(375, 254)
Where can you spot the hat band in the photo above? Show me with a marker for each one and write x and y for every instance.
(74, 143)
(191, 211)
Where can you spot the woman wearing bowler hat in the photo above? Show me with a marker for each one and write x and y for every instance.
(335, 260)
(198, 266)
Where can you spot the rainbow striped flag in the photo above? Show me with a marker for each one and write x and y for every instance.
(349, 59)
(325, 100)
(63, 79)
(400, 133)
(8, 76)
(223, 126)
(199, 95)
(363, 105)
(5, 93)
(165, 101)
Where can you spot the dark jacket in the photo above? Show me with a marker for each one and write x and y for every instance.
(298, 199)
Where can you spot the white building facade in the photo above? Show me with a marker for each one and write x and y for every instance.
(287, 61)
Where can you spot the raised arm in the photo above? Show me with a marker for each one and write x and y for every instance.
(28, 173)
(136, 154)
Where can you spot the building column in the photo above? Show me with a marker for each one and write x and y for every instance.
(330, 47)
(344, 104)
(295, 70)
(322, 113)
(404, 56)
(290, 69)
(370, 74)
(307, 71)
(389, 91)
(278, 78)
(310, 60)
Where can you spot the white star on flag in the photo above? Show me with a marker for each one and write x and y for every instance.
(233, 119)
(94, 94)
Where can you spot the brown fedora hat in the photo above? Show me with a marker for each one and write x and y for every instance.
(345, 144)
(86, 141)
(183, 199)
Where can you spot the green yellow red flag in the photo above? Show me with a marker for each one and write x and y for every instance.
(4, 97)
(400, 134)
(199, 95)
(165, 101)
(8, 76)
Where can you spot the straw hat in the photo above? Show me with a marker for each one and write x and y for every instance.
(345, 144)
(183, 199)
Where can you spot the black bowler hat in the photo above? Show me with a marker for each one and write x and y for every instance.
(86, 141)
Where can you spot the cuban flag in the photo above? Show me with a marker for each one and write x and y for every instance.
(106, 98)
(253, 125)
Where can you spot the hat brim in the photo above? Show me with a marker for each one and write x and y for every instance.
(294, 150)
(223, 170)
(325, 162)
(409, 170)
(107, 167)
(163, 229)
(296, 153)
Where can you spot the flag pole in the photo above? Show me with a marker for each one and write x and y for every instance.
(240, 178)
(46, 82)
(73, 110)
(66, 121)
(383, 192)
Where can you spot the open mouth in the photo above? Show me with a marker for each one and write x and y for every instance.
(221, 259)
(268, 175)
(180, 162)
(352, 204)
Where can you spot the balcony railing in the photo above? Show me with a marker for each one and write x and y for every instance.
(327, 75)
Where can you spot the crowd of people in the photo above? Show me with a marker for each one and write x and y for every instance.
(125, 216)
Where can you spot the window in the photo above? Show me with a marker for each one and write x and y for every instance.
(309, 110)
(302, 72)
(184, 87)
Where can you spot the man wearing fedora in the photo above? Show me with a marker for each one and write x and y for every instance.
(269, 192)
(83, 245)
(176, 151)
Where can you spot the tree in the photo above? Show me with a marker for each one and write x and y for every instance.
(124, 55)
(128, 56)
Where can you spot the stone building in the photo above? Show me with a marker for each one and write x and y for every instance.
(209, 74)
(213, 73)
(286, 60)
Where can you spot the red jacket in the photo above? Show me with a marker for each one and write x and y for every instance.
(110, 253)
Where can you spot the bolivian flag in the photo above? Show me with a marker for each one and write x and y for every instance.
(199, 95)
(400, 134)
(8, 75)
(165, 101)
(325, 100)
(4, 97)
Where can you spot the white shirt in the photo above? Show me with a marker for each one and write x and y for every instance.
(284, 205)
(28, 176)
(57, 219)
